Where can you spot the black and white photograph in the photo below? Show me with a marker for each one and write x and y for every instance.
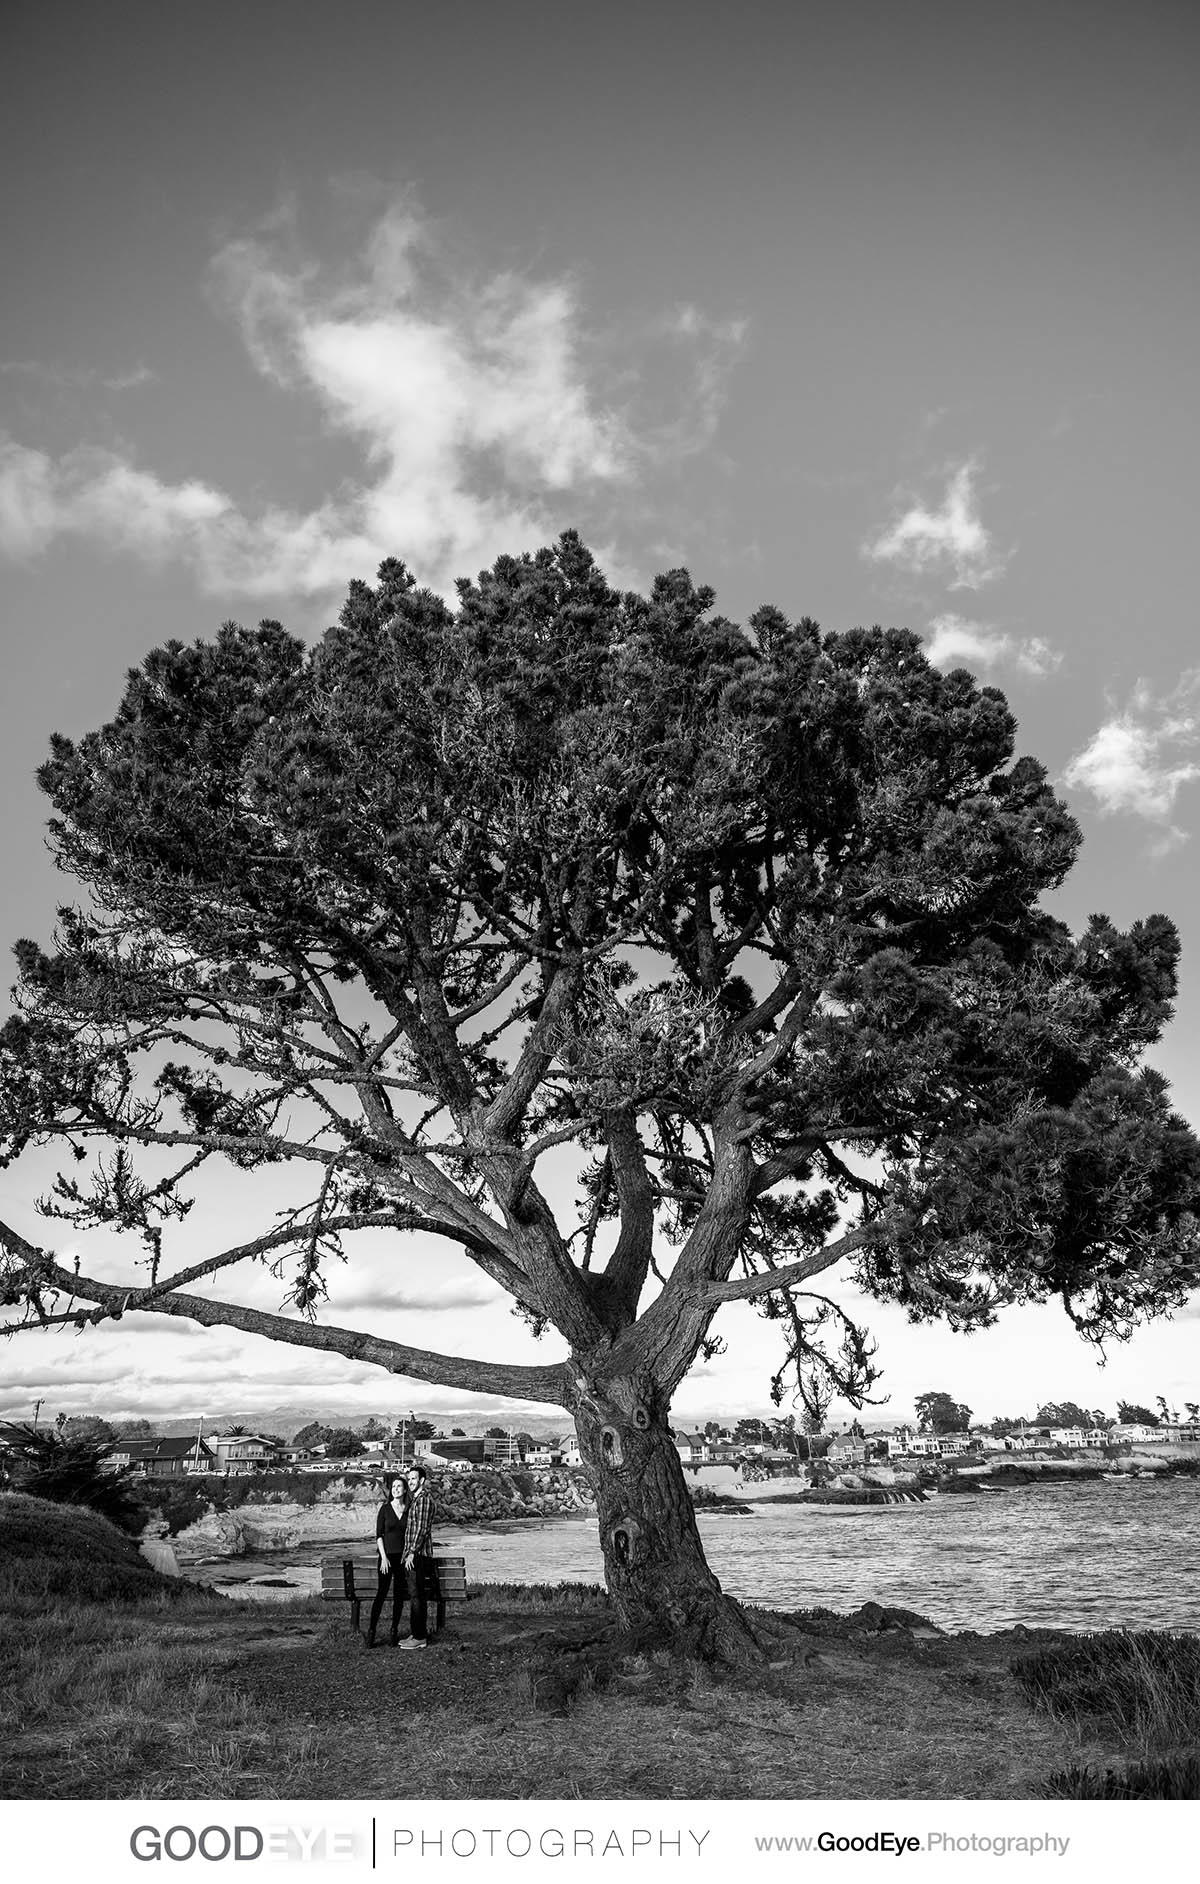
(599, 1100)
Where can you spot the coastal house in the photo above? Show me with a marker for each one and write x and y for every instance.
(722, 1454)
(1135, 1432)
(374, 1459)
(474, 1451)
(1066, 1436)
(571, 1454)
(541, 1459)
(295, 1458)
(236, 1454)
(846, 1449)
(159, 1458)
(691, 1447)
(502, 1449)
(893, 1442)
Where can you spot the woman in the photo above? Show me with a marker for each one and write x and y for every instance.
(389, 1542)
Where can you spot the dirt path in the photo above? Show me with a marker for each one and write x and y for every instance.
(851, 1714)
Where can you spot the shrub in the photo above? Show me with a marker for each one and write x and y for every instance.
(46, 1464)
(1177, 1778)
(1146, 1683)
(178, 1502)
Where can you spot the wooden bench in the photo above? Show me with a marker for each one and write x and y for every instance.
(354, 1580)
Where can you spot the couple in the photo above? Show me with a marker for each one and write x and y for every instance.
(404, 1540)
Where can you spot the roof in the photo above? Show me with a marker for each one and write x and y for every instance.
(159, 1448)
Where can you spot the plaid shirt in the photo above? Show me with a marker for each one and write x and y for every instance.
(418, 1526)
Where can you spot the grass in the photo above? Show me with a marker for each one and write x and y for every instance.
(121, 1684)
(1176, 1778)
(128, 1701)
(109, 1687)
(1144, 1685)
(1141, 1687)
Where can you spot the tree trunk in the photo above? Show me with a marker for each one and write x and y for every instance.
(654, 1563)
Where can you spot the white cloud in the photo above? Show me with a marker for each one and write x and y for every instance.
(473, 402)
(950, 542)
(1143, 754)
(95, 493)
(956, 642)
(381, 1298)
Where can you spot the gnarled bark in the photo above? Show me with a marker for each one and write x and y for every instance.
(654, 1563)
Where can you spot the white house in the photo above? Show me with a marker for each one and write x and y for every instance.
(239, 1453)
(1066, 1436)
(690, 1447)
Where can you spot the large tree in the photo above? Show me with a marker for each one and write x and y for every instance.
(751, 919)
(940, 1413)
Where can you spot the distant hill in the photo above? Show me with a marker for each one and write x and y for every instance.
(286, 1421)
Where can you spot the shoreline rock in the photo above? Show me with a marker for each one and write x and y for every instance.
(467, 1499)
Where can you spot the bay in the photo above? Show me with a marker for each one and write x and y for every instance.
(1103, 1554)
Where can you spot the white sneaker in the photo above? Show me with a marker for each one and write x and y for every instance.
(412, 1642)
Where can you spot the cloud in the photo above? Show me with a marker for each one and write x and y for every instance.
(956, 642)
(950, 542)
(95, 493)
(475, 403)
(1145, 752)
(379, 1296)
(68, 377)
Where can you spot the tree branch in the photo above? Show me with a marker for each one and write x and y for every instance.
(750, 1286)
(550, 1384)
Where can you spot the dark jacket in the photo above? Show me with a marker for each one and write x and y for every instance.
(390, 1529)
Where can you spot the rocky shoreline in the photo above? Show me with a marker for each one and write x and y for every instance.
(262, 1525)
(881, 1484)
(258, 1528)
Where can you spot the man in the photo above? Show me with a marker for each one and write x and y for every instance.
(418, 1554)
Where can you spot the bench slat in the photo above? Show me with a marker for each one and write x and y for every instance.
(447, 1584)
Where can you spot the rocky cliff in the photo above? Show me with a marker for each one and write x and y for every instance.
(348, 1505)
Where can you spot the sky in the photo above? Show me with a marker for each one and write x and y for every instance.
(881, 314)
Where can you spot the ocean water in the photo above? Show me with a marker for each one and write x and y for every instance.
(1108, 1553)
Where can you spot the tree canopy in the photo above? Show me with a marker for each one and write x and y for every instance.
(750, 918)
(939, 1413)
(1063, 1413)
